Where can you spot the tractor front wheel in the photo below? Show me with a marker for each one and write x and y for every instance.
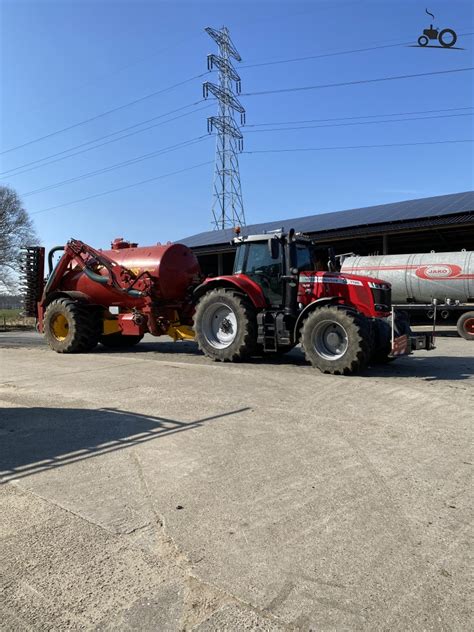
(336, 340)
(71, 327)
(447, 38)
(225, 325)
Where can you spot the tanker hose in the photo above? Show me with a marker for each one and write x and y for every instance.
(50, 257)
(98, 278)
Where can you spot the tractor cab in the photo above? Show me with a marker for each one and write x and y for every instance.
(275, 260)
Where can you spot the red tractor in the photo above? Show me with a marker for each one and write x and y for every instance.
(283, 291)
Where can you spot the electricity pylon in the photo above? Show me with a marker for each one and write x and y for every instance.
(227, 204)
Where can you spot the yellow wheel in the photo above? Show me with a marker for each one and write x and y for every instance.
(59, 327)
(71, 327)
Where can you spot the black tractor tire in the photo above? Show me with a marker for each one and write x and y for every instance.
(465, 326)
(423, 40)
(71, 327)
(352, 329)
(119, 341)
(382, 339)
(446, 32)
(225, 325)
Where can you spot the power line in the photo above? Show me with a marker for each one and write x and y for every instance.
(119, 165)
(332, 54)
(106, 113)
(293, 149)
(415, 118)
(350, 118)
(60, 153)
(358, 82)
(128, 186)
(308, 57)
(118, 69)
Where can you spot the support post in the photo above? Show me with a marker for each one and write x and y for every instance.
(220, 264)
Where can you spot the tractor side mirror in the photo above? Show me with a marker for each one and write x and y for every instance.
(274, 248)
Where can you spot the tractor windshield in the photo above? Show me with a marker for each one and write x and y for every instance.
(255, 260)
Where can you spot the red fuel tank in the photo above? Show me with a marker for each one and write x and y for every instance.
(173, 267)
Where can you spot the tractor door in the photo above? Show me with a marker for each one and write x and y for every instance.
(265, 270)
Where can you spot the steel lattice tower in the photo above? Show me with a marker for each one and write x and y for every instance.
(227, 205)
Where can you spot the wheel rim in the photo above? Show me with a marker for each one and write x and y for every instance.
(219, 325)
(330, 340)
(59, 327)
(469, 326)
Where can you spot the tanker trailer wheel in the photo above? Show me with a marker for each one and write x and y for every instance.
(465, 326)
(225, 326)
(119, 341)
(336, 341)
(71, 327)
(447, 38)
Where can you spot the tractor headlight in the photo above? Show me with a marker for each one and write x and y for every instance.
(379, 286)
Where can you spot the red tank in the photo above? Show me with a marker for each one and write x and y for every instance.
(173, 267)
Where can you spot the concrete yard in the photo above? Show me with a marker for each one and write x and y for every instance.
(155, 490)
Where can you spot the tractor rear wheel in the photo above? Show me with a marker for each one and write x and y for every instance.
(225, 325)
(336, 340)
(71, 327)
(465, 326)
(119, 341)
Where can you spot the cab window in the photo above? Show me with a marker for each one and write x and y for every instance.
(303, 258)
(259, 260)
(239, 260)
(265, 271)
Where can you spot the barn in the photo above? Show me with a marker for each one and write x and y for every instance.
(442, 223)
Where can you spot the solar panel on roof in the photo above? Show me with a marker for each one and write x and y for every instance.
(380, 214)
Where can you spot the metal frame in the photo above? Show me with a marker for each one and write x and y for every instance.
(227, 205)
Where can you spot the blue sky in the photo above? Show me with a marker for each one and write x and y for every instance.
(65, 61)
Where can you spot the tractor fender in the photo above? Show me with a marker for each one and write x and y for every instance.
(239, 283)
(320, 302)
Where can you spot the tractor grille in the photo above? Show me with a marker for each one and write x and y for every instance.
(382, 299)
(31, 278)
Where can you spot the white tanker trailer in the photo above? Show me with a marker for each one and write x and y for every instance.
(441, 281)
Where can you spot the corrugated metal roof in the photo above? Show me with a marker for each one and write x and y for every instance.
(368, 216)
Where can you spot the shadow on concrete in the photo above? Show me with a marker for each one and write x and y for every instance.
(37, 439)
(156, 345)
(428, 368)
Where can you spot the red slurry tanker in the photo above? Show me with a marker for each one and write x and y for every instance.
(283, 291)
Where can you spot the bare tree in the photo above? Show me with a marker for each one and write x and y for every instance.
(16, 230)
